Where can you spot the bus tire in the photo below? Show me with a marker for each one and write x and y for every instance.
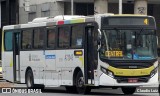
(29, 79)
(81, 88)
(128, 90)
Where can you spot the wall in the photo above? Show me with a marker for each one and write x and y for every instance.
(55, 8)
(113, 8)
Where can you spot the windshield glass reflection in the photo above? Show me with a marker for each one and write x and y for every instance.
(128, 44)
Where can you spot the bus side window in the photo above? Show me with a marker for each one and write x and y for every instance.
(8, 41)
(27, 39)
(38, 38)
(77, 36)
(64, 37)
(28, 46)
(51, 38)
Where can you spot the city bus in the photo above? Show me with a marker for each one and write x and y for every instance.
(82, 52)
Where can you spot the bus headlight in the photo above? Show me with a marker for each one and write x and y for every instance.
(153, 72)
(107, 72)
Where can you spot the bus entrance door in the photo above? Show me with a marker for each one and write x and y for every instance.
(88, 67)
(16, 57)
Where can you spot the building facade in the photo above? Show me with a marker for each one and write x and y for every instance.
(30, 9)
(9, 12)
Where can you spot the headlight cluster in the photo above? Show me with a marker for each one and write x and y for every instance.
(107, 72)
(153, 72)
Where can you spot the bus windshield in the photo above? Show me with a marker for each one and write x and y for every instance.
(120, 44)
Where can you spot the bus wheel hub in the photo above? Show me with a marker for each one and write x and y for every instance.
(81, 82)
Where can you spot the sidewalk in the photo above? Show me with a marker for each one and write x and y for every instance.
(6, 84)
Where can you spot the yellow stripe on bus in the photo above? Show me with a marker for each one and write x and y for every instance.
(2, 41)
(0, 69)
(129, 15)
(131, 72)
(82, 60)
(11, 63)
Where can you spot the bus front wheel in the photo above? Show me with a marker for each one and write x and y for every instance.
(29, 79)
(128, 90)
(81, 88)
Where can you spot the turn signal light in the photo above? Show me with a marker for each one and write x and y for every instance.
(78, 53)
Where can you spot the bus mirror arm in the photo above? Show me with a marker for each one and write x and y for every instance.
(99, 34)
(99, 47)
(157, 40)
(99, 39)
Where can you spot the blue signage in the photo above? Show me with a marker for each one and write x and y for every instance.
(50, 56)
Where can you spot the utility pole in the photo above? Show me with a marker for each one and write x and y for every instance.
(72, 5)
(120, 6)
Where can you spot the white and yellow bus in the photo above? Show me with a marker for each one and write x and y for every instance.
(80, 53)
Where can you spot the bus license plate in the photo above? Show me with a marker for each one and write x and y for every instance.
(132, 80)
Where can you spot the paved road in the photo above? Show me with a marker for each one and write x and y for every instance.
(62, 92)
(101, 92)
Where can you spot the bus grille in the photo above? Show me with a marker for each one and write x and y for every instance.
(132, 65)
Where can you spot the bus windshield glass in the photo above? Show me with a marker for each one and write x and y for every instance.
(120, 44)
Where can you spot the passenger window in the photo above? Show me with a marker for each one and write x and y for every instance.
(51, 38)
(64, 38)
(38, 38)
(77, 36)
(27, 39)
(8, 41)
